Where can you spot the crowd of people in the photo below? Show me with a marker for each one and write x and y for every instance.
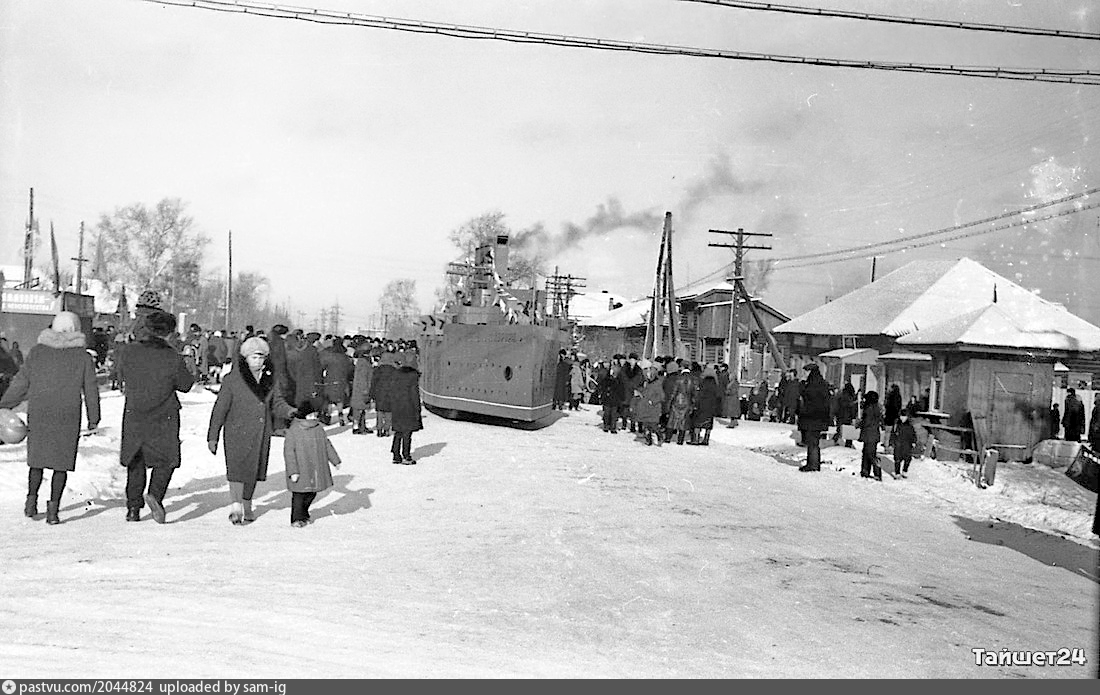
(656, 400)
(276, 383)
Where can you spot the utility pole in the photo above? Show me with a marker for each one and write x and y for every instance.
(229, 286)
(80, 260)
(562, 289)
(335, 327)
(28, 246)
(736, 288)
(874, 263)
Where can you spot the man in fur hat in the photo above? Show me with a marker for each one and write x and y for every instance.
(152, 371)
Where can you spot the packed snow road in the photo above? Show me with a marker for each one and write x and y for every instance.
(538, 552)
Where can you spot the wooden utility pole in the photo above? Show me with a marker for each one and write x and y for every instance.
(80, 260)
(229, 286)
(874, 263)
(28, 246)
(737, 288)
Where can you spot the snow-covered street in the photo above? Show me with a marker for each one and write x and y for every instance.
(545, 551)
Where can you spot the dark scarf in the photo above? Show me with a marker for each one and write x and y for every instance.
(267, 378)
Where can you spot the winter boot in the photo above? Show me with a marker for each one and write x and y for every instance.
(133, 514)
(648, 438)
(680, 437)
(51, 513)
(30, 509)
(706, 438)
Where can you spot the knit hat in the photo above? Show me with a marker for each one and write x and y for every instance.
(255, 345)
(149, 298)
(66, 322)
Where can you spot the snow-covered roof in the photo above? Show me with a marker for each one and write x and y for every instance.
(702, 287)
(852, 355)
(1035, 326)
(589, 304)
(905, 357)
(626, 316)
(922, 294)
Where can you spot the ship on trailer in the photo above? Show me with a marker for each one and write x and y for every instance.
(491, 351)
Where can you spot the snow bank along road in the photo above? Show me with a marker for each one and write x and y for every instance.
(556, 551)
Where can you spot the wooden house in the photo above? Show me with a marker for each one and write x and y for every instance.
(995, 369)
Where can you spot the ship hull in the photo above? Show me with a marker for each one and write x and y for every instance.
(504, 371)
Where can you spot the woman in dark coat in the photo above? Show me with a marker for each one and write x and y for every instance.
(151, 371)
(307, 369)
(708, 406)
(404, 402)
(58, 372)
(681, 402)
(813, 415)
(245, 410)
(650, 405)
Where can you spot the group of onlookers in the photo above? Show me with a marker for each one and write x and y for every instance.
(281, 382)
(657, 400)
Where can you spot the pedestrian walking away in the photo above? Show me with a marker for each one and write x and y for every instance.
(405, 408)
(57, 374)
(152, 371)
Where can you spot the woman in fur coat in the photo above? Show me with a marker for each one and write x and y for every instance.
(57, 373)
(245, 410)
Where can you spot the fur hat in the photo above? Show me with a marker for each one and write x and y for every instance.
(66, 322)
(255, 345)
(160, 323)
(150, 298)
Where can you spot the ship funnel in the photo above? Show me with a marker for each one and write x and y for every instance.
(500, 253)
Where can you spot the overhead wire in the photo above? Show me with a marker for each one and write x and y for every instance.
(905, 243)
(321, 16)
(896, 19)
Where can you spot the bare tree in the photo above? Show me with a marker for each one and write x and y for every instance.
(481, 230)
(151, 249)
(399, 307)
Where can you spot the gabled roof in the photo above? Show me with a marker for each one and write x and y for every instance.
(917, 296)
(1033, 327)
(626, 316)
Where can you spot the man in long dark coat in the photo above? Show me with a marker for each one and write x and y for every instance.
(561, 380)
(1073, 416)
(813, 415)
(404, 404)
(153, 371)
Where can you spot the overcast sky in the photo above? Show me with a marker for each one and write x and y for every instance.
(342, 157)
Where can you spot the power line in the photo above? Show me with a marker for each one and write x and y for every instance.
(956, 237)
(1059, 76)
(895, 19)
(945, 230)
(853, 252)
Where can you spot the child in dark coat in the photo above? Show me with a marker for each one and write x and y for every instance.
(905, 437)
(307, 453)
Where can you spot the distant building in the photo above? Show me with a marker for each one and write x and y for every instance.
(704, 328)
(984, 347)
